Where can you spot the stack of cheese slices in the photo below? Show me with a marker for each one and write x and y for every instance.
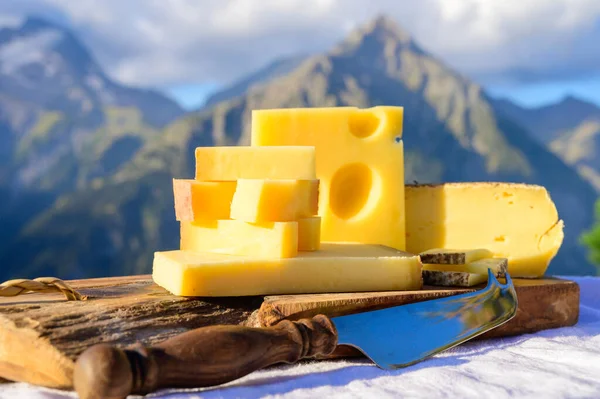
(253, 218)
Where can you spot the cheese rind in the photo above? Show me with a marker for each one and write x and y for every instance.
(452, 279)
(235, 237)
(309, 234)
(499, 267)
(202, 200)
(336, 267)
(514, 221)
(360, 165)
(232, 163)
(453, 256)
(268, 200)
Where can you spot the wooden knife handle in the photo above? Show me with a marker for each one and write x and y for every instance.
(202, 357)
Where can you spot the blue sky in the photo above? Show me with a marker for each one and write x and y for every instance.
(193, 96)
(536, 94)
(532, 51)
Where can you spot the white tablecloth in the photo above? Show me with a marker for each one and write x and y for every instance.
(560, 363)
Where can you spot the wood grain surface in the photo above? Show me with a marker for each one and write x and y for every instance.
(41, 335)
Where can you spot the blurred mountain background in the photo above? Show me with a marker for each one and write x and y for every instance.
(86, 162)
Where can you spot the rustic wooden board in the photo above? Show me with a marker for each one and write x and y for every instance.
(41, 335)
(543, 304)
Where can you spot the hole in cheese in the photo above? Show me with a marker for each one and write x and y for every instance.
(363, 124)
(350, 189)
(500, 238)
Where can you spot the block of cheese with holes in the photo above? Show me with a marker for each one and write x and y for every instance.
(202, 200)
(360, 165)
(514, 221)
(232, 163)
(269, 200)
(337, 267)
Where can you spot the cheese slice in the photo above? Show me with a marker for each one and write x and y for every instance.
(452, 279)
(499, 267)
(232, 163)
(309, 234)
(360, 165)
(514, 221)
(202, 200)
(336, 267)
(453, 256)
(267, 200)
(235, 237)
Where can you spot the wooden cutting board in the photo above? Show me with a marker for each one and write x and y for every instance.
(41, 335)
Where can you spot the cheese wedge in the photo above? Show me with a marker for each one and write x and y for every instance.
(514, 221)
(202, 200)
(336, 267)
(266, 200)
(309, 234)
(232, 163)
(499, 267)
(235, 237)
(360, 165)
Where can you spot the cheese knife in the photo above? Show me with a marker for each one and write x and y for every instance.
(392, 338)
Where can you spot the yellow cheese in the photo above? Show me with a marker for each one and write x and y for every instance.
(232, 163)
(498, 266)
(336, 267)
(360, 166)
(266, 200)
(514, 221)
(235, 237)
(202, 200)
(309, 234)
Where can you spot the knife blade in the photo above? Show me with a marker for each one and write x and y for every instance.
(429, 327)
(392, 337)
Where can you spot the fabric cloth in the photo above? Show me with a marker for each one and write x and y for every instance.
(559, 363)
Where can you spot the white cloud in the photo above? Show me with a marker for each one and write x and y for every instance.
(29, 50)
(10, 21)
(167, 42)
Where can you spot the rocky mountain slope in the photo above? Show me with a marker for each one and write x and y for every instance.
(580, 147)
(63, 122)
(451, 133)
(56, 105)
(570, 128)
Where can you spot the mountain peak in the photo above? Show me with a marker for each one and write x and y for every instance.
(571, 100)
(385, 25)
(381, 30)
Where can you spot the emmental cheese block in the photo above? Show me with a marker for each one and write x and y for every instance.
(514, 221)
(336, 267)
(235, 237)
(268, 200)
(232, 163)
(202, 200)
(360, 165)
